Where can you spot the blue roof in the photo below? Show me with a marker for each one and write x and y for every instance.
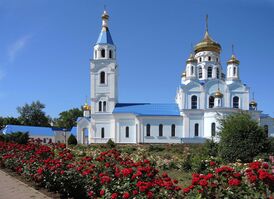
(32, 130)
(147, 109)
(104, 37)
(73, 131)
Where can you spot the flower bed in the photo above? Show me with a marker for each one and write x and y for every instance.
(110, 174)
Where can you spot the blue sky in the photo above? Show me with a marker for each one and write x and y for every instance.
(45, 47)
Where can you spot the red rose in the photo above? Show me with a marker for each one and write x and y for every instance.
(234, 182)
(212, 163)
(186, 190)
(135, 192)
(40, 170)
(102, 192)
(126, 195)
(203, 183)
(114, 195)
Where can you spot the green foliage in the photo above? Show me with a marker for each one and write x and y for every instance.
(111, 144)
(8, 120)
(271, 145)
(155, 148)
(33, 115)
(18, 137)
(67, 119)
(211, 148)
(72, 140)
(240, 138)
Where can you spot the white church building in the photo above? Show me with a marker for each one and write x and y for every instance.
(205, 94)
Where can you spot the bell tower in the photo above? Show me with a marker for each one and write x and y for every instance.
(104, 73)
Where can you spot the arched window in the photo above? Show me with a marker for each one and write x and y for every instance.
(196, 130)
(234, 71)
(104, 106)
(127, 132)
(236, 102)
(217, 73)
(200, 59)
(192, 70)
(213, 129)
(95, 54)
(266, 130)
(209, 72)
(110, 54)
(102, 132)
(173, 130)
(148, 129)
(211, 102)
(100, 106)
(103, 53)
(44, 140)
(209, 58)
(102, 77)
(160, 130)
(200, 72)
(194, 102)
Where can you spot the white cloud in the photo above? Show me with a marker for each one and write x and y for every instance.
(17, 46)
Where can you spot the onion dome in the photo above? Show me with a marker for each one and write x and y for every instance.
(86, 107)
(233, 60)
(253, 103)
(191, 59)
(105, 15)
(218, 94)
(184, 74)
(208, 44)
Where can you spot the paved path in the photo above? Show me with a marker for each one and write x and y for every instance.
(11, 188)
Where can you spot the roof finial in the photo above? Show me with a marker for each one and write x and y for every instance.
(207, 23)
(105, 7)
(232, 49)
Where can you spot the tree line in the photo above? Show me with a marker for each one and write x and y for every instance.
(34, 115)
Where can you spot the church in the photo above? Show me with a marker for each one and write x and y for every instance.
(206, 92)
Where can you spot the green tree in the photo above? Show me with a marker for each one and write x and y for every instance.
(8, 120)
(240, 138)
(72, 140)
(33, 114)
(67, 119)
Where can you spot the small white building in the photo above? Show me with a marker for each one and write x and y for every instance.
(205, 93)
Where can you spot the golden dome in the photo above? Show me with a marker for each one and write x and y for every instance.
(184, 74)
(233, 60)
(207, 44)
(253, 103)
(191, 59)
(105, 15)
(86, 107)
(218, 94)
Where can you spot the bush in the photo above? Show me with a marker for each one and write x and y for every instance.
(111, 144)
(17, 137)
(241, 138)
(72, 140)
(211, 148)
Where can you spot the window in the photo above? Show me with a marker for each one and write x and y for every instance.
(50, 140)
(127, 132)
(148, 129)
(209, 58)
(102, 77)
(236, 102)
(102, 132)
(200, 59)
(217, 60)
(44, 140)
(103, 53)
(217, 73)
(200, 72)
(192, 70)
(234, 71)
(211, 102)
(95, 54)
(213, 129)
(173, 132)
(209, 72)
(196, 129)
(104, 106)
(266, 130)
(160, 130)
(194, 102)
(110, 54)
(100, 106)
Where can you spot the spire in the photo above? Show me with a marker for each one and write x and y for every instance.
(105, 36)
(207, 23)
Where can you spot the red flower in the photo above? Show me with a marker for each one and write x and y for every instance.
(234, 182)
(102, 192)
(186, 190)
(40, 170)
(203, 183)
(265, 165)
(149, 194)
(114, 195)
(126, 195)
(212, 163)
(135, 192)
(126, 172)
